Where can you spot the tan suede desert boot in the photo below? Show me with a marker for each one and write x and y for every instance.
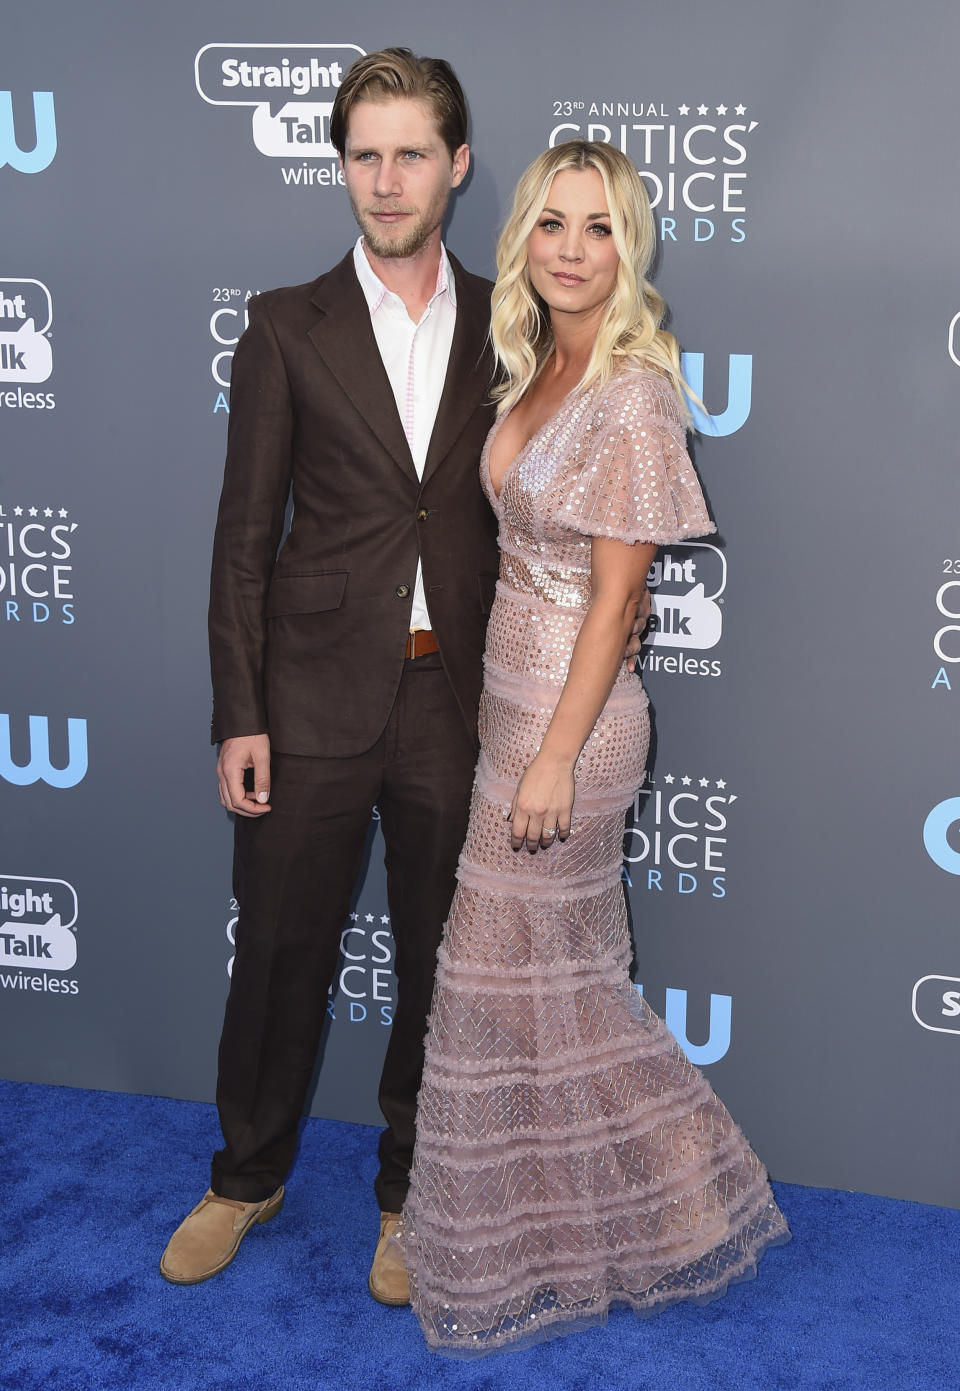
(207, 1240)
(388, 1281)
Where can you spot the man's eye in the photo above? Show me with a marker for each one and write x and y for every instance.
(412, 154)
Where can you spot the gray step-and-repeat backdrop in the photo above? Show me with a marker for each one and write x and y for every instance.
(793, 857)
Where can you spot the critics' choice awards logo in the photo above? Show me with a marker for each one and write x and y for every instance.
(227, 322)
(27, 158)
(37, 934)
(26, 756)
(946, 638)
(677, 834)
(36, 564)
(691, 156)
(290, 88)
(26, 357)
(686, 586)
(936, 1004)
(364, 988)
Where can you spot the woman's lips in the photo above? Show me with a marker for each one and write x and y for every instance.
(567, 277)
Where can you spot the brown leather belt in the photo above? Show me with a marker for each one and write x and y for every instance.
(421, 642)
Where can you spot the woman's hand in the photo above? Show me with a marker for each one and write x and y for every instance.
(542, 804)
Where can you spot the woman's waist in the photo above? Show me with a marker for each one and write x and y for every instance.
(526, 578)
(528, 651)
(528, 690)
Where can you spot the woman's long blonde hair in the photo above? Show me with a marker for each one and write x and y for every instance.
(630, 330)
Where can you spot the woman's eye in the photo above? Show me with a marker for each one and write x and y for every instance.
(600, 230)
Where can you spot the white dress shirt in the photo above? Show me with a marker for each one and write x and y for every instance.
(415, 357)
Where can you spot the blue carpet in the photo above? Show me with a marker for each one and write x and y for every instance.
(865, 1298)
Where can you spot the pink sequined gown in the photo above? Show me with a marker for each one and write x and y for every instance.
(568, 1155)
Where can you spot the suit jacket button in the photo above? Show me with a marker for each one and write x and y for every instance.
(422, 515)
(402, 590)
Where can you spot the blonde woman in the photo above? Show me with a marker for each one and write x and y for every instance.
(568, 1156)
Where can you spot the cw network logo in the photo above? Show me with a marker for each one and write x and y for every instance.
(290, 88)
(28, 161)
(739, 393)
(717, 1043)
(39, 766)
(936, 828)
(932, 1002)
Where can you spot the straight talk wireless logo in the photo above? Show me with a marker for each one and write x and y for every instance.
(686, 588)
(26, 355)
(290, 89)
(38, 939)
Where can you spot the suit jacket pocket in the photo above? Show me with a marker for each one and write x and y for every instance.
(290, 594)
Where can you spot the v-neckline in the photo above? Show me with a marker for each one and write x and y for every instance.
(515, 461)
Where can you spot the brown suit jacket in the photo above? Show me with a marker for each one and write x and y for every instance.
(308, 644)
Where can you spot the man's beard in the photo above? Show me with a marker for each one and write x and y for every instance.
(401, 245)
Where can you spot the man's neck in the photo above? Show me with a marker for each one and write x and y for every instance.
(412, 278)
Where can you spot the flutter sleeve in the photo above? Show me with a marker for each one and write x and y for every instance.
(633, 479)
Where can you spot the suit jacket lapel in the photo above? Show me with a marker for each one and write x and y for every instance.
(468, 376)
(344, 338)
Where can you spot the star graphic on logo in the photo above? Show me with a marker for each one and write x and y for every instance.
(740, 109)
(686, 781)
(18, 511)
(669, 778)
(48, 511)
(684, 109)
(62, 512)
(384, 918)
(721, 110)
(721, 784)
(32, 511)
(354, 917)
(702, 110)
(368, 917)
(704, 782)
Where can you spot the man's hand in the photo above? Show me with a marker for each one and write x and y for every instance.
(236, 756)
(634, 641)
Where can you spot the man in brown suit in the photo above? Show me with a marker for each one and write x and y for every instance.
(347, 667)
(365, 394)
